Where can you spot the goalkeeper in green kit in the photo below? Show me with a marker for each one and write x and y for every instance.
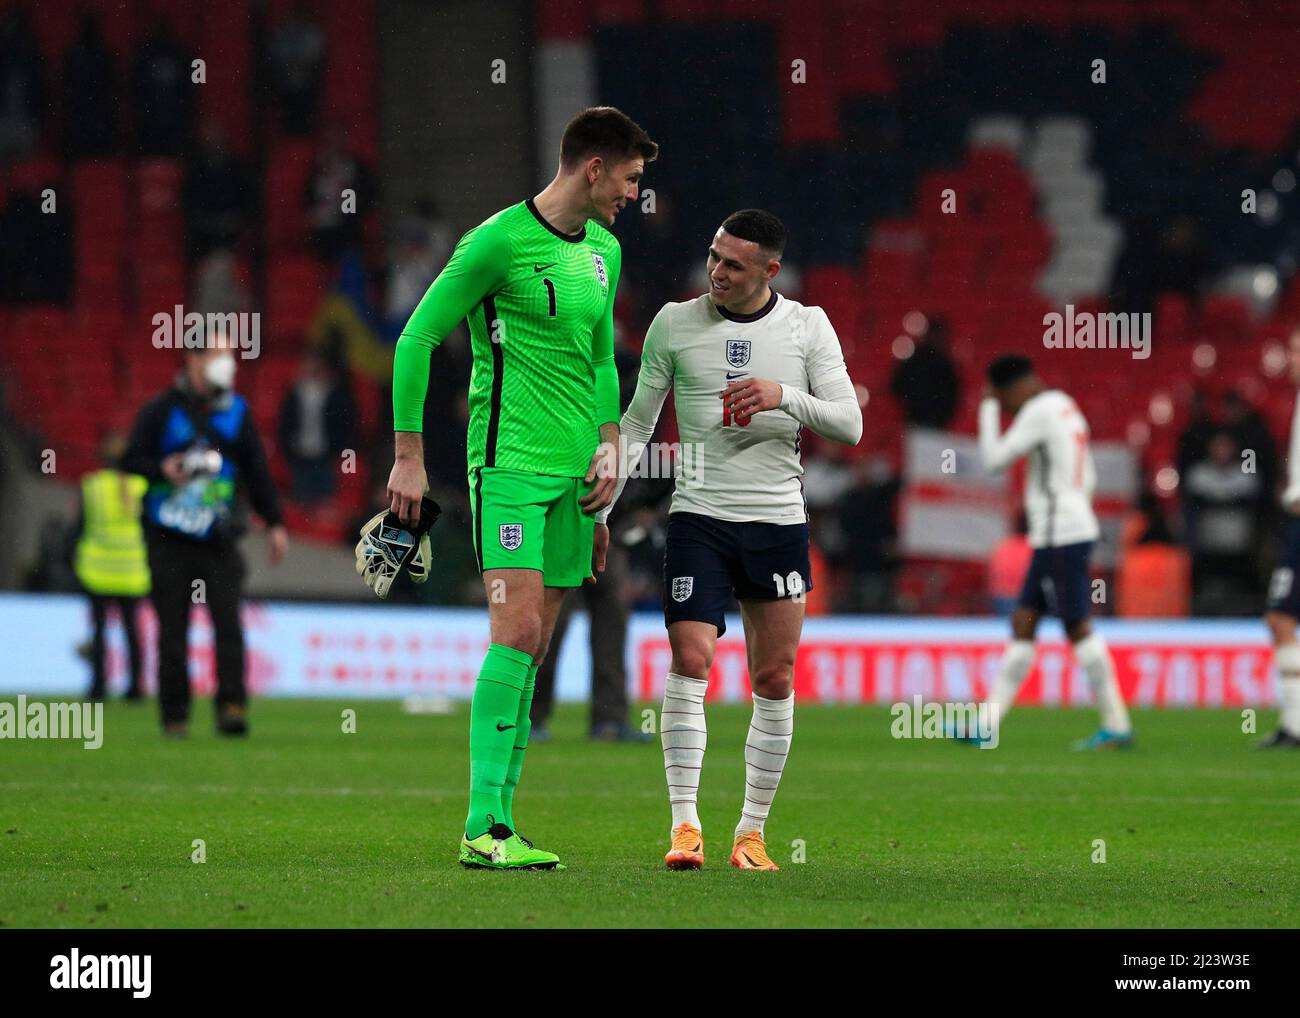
(536, 283)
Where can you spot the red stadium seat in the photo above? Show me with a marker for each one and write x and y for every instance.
(34, 174)
(810, 110)
(352, 75)
(122, 24)
(160, 283)
(226, 44)
(56, 26)
(294, 288)
(181, 15)
(286, 185)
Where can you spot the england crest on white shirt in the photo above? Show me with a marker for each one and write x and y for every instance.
(512, 536)
(737, 352)
(682, 587)
(599, 262)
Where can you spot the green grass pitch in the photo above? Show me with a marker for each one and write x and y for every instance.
(307, 826)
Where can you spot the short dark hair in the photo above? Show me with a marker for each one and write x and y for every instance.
(606, 132)
(763, 228)
(1008, 369)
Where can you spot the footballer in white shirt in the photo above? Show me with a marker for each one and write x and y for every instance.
(748, 369)
(1049, 430)
(1283, 592)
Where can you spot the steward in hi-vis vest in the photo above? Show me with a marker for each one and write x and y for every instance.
(111, 561)
(110, 554)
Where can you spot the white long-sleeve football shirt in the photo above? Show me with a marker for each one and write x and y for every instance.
(1053, 433)
(1292, 493)
(741, 472)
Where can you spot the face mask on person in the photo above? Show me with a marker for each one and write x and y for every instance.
(219, 372)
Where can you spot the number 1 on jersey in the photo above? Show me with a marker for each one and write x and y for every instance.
(550, 293)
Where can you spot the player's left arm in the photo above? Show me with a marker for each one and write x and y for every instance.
(998, 451)
(830, 410)
(602, 472)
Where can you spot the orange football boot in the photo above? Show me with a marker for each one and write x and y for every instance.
(687, 852)
(749, 853)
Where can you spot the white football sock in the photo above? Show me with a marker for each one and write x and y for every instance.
(1015, 665)
(683, 736)
(1287, 659)
(766, 747)
(1092, 653)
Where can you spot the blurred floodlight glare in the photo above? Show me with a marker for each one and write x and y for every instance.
(1265, 283)
(915, 323)
(1272, 361)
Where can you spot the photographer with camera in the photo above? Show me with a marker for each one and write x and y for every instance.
(197, 445)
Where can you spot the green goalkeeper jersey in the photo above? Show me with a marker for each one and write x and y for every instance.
(540, 307)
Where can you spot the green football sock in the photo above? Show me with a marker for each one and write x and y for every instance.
(523, 726)
(492, 719)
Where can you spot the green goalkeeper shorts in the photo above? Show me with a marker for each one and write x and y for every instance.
(531, 521)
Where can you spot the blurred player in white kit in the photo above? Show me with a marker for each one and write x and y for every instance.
(1049, 429)
(1283, 592)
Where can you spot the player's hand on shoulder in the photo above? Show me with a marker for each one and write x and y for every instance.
(748, 396)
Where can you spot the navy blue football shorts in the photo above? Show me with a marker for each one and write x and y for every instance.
(1057, 582)
(1282, 595)
(708, 562)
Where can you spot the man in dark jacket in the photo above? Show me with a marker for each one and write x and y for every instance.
(927, 383)
(198, 447)
(317, 424)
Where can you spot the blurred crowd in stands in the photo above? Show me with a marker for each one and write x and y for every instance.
(263, 227)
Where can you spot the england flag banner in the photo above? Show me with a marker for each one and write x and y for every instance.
(951, 508)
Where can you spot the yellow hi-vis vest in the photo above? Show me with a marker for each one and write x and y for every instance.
(111, 557)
